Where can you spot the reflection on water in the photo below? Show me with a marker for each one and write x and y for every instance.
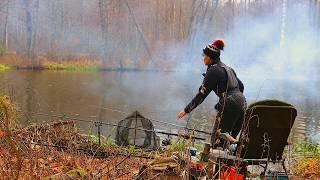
(111, 96)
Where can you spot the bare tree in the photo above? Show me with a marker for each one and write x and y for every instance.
(141, 34)
(35, 25)
(29, 25)
(5, 34)
(103, 11)
(121, 30)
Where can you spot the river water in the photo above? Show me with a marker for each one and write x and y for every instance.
(111, 96)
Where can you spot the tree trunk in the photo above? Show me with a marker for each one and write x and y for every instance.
(180, 31)
(103, 12)
(35, 29)
(191, 19)
(29, 26)
(138, 29)
(5, 39)
(201, 21)
(157, 14)
(213, 12)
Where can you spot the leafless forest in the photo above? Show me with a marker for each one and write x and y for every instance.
(129, 32)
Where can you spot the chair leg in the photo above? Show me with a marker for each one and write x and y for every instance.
(265, 168)
(284, 167)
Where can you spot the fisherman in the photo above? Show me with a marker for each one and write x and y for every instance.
(227, 86)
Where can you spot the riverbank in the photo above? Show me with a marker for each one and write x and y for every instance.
(57, 150)
(11, 60)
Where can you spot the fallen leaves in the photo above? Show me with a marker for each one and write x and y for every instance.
(2, 134)
(55, 164)
(162, 163)
(56, 167)
(308, 168)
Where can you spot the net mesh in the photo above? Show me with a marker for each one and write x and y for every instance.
(138, 131)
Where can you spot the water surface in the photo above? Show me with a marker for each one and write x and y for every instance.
(111, 96)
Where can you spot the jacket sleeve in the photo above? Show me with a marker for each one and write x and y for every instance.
(209, 82)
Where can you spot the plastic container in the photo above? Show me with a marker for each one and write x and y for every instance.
(231, 174)
(193, 151)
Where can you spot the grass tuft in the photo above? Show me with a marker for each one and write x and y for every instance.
(71, 67)
(4, 67)
(307, 164)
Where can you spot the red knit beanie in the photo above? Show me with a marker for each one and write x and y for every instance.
(218, 43)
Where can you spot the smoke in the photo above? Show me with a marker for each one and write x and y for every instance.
(275, 54)
(262, 57)
(254, 48)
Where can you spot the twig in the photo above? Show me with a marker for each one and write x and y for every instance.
(118, 164)
(123, 174)
(155, 176)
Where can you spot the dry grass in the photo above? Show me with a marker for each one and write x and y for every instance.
(35, 161)
(49, 62)
(307, 160)
(308, 168)
(12, 59)
(8, 119)
(78, 65)
(67, 62)
(58, 151)
(39, 162)
(67, 158)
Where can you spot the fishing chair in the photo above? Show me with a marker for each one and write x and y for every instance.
(265, 133)
(263, 136)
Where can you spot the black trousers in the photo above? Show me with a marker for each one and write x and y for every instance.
(231, 110)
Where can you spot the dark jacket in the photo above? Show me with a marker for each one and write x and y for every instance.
(219, 78)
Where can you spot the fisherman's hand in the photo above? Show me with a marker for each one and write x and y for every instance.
(181, 114)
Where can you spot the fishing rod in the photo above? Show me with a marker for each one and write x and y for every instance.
(155, 120)
(97, 123)
(92, 152)
(186, 136)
